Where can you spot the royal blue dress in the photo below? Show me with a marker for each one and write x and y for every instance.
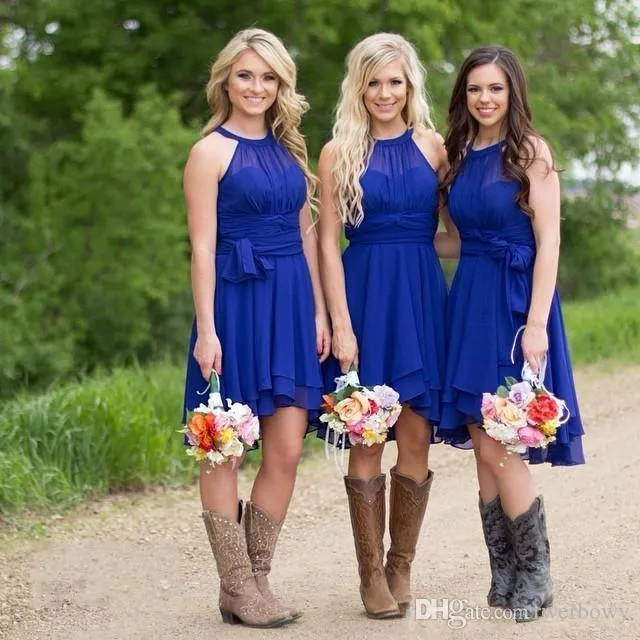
(489, 302)
(396, 291)
(263, 305)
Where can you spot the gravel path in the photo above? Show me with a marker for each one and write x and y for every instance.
(140, 566)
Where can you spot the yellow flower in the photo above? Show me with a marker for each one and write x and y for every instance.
(549, 428)
(373, 437)
(225, 436)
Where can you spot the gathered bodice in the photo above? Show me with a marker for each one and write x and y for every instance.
(258, 210)
(400, 195)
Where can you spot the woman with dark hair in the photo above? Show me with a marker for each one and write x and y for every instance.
(503, 194)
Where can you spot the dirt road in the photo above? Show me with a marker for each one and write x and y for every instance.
(141, 567)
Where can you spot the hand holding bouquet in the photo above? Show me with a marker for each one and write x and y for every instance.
(218, 434)
(362, 414)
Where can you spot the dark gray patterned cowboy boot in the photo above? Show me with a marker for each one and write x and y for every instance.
(502, 560)
(533, 590)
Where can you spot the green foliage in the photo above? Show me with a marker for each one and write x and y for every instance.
(99, 255)
(598, 251)
(102, 101)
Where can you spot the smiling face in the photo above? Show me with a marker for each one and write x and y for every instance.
(488, 97)
(386, 94)
(252, 85)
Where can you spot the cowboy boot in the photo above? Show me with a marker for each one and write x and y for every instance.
(408, 502)
(502, 560)
(533, 590)
(240, 600)
(367, 510)
(262, 536)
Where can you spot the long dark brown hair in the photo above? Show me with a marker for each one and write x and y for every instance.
(519, 150)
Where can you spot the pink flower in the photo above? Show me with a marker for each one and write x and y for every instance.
(249, 430)
(488, 409)
(356, 429)
(531, 436)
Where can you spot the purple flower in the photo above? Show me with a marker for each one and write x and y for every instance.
(386, 396)
(521, 394)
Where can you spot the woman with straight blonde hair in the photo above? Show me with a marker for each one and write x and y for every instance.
(387, 295)
(247, 187)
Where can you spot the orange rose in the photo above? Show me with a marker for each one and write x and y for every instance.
(328, 402)
(349, 411)
(360, 397)
(197, 425)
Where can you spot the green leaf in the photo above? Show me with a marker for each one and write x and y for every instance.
(502, 392)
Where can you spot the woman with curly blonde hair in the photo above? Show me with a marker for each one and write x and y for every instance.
(387, 295)
(247, 187)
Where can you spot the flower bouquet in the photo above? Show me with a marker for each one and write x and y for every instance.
(217, 434)
(362, 414)
(523, 414)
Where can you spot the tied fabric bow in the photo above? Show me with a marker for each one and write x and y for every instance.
(514, 289)
(243, 264)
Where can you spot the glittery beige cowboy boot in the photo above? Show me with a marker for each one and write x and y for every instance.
(240, 599)
(262, 533)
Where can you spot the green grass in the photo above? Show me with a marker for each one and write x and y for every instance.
(109, 432)
(607, 327)
(120, 430)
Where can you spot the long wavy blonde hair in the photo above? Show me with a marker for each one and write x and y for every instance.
(285, 115)
(352, 128)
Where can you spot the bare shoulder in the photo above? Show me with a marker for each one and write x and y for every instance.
(431, 143)
(542, 158)
(211, 154)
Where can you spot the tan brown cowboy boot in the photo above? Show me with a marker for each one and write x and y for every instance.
(262, 533)
(240, 599)
(407, 507)
(367, 509)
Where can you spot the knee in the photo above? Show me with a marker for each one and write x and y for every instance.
(417, 447)
(285, 461)
(491, 455)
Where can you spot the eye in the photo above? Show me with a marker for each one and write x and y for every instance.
(270, 78)
(244, 75)
(397, 82)
(497, 88)
(472, 89)
(373, 83)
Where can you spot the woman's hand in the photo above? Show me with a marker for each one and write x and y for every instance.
(535, 345)
(345, 349)
(208, 354)
(323, 337)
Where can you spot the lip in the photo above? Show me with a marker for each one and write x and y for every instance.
(386, 106)
(486, 111)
